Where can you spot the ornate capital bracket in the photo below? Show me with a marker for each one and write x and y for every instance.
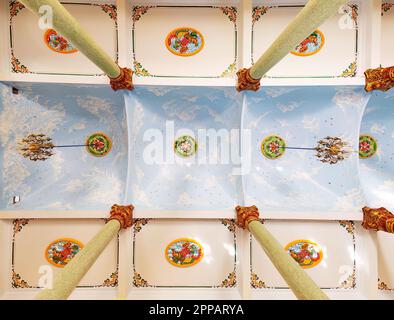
(124, 214)
(124, 81)
(379, 79)
(246, 82)
(378, 219)
(245, 215)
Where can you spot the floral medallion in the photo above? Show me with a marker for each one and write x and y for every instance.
(308, 254)
(367, 146)
(58, 43)
(273, 147)
(61, 251)
(185, 146)
(98, 144)
(184, 41)
(310, 45)
(184, 252)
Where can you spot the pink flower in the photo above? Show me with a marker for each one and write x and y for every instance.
(365, 146)
(98, 145)
(273, 146)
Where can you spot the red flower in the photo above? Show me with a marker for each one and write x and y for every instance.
(364, 146)
(170, 39)
(184, 42)
(315, 258)
(273, 146)
(66, 251)
(98, 144)
(185, 250)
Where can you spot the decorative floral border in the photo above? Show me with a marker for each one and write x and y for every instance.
(258, 12)
(16, 7)
(17, 282)
(351, 9)
(386, 7)
(140, 71)
(349, 283)
(383, 286)
(139, 282)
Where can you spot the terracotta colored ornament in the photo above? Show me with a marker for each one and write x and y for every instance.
(246, 215)
(367, 146)
(246, 81)
(379, 219)
(310, 45)
(61, 251)
(184, 252)
(308, 254)
(184, 41)
(124, 81)
(273, 147)
(185, 146)
(379, 79)
(98, 144)
(124, 214)
(58, 43)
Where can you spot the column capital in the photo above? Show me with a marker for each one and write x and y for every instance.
(123, 81)
(245, 215)
(246, 82)
(124, 214)
(379, 219)
(379, 79)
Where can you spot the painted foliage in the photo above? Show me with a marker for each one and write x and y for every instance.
(184, 252)
(307, 253)
(58, 43)
(185, 41)
(60, 252)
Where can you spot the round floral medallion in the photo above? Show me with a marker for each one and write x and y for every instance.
(98, 144)
(61, 251)
(310, 45)
(58, 43)
(308, 254)
(273, 147)
(367, 146)
(184, 41)
(185, 146)
(184, 252)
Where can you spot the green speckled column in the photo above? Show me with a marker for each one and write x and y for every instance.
(303, 287)
(67, 26)
(308, 20)
(69, 277)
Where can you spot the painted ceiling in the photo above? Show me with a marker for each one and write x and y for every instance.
(74, 180)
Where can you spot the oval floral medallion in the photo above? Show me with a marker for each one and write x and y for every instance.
(58, 43)
(307, 253)
(273, 147)
(184, 252)
(184, 41)
(185, 146)
(367, 146)
(61, 251)
(310, 45)
(98, 144)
